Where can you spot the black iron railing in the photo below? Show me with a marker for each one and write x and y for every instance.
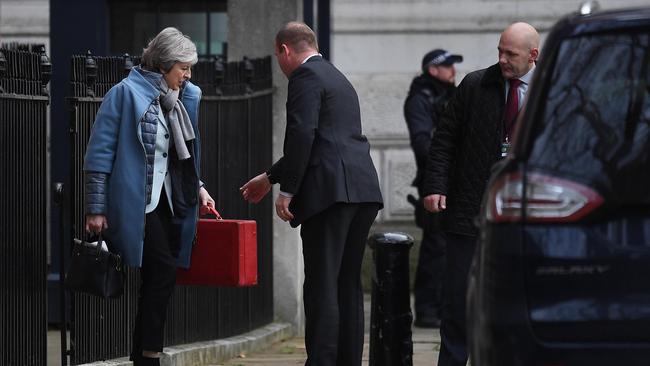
(235, 121)
(24, 73)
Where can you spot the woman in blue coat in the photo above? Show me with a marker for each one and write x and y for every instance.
(142, 178)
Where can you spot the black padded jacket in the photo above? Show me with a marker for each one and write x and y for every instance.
(465, 146)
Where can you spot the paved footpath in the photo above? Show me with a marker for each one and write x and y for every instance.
(426, 343)
(292, 352)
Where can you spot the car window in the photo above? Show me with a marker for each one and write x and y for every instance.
(596, 123)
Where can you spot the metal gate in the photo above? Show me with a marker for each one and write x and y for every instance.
(24, 73)
(235, 121)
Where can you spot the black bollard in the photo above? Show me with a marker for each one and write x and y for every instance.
(390, 315)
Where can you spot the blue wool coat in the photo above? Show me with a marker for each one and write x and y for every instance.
(116, 149)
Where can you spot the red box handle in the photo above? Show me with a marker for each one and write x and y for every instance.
(211, 210)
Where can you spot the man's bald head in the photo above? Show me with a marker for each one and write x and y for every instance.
(524, 33)
(518, 49)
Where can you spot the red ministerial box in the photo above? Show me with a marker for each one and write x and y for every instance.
(225, 254)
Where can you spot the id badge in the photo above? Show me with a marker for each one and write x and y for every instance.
(505, 147)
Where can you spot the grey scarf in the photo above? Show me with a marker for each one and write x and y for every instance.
(177, 119)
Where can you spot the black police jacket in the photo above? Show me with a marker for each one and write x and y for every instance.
(426, 99)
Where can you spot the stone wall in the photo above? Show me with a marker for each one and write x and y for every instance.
(25, 21)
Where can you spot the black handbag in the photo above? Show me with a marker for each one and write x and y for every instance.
(95, 271)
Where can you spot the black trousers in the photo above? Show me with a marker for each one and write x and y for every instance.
(430, 270)
(158, 278)
(453, 347)
(333, 244)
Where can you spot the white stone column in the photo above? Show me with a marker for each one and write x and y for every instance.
(252, 25)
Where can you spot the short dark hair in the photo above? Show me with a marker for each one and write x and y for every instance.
(297, 35)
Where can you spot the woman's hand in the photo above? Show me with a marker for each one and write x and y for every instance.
(96, 223)
(206, 203)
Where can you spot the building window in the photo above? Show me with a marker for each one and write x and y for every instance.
(134, 23)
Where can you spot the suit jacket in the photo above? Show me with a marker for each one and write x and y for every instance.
(326, 158)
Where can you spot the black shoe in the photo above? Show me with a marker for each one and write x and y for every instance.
(427, 321)
(145, 361)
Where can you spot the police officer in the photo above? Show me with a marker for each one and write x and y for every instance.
(428, 95)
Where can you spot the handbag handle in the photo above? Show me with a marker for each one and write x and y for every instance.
(117, 257)
(214, 212)
(99, 245)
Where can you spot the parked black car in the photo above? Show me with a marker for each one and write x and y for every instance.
(562, 271)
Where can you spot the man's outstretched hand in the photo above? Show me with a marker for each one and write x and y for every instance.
(256, 188)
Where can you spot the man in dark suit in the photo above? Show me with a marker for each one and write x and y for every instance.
(475, 131)
(329, 186)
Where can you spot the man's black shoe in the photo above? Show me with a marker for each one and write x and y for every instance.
(424, 321)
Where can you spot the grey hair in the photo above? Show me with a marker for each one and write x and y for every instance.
(167, 48)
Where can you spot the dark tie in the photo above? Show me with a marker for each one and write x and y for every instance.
(512, 106)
